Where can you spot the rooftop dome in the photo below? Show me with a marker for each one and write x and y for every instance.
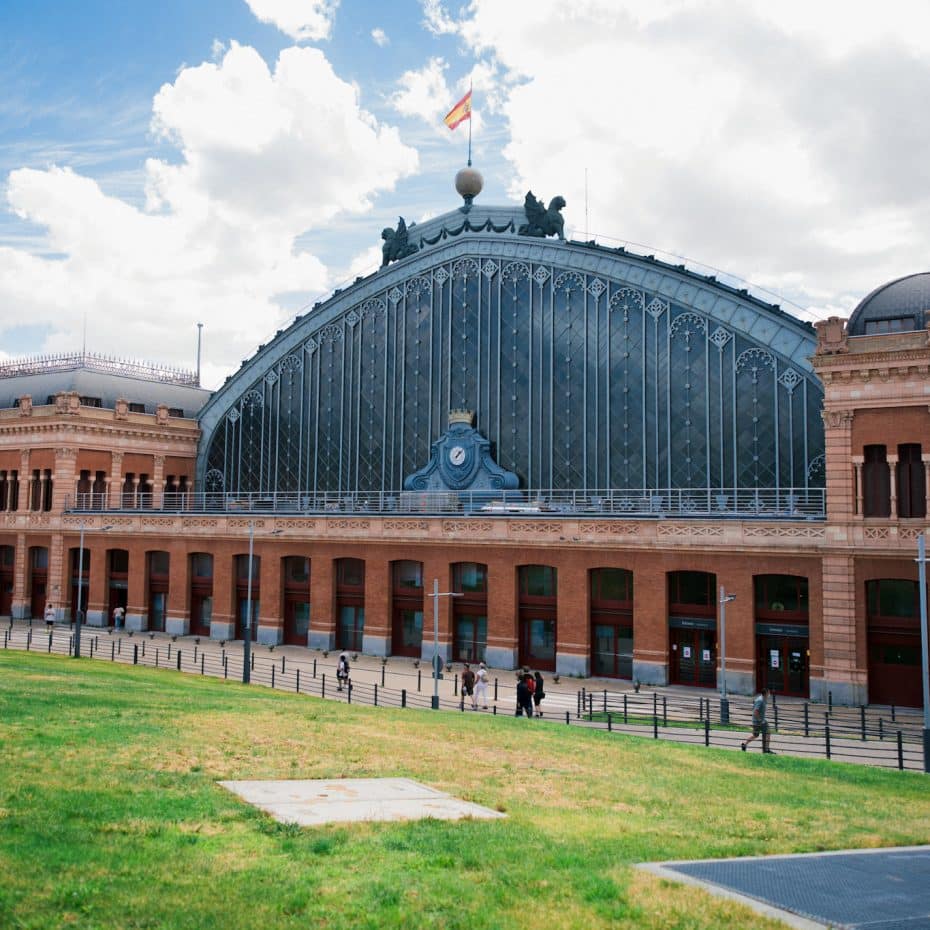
(902, 305)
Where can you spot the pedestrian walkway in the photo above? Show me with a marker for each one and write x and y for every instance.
(878, 889)
(676, 714)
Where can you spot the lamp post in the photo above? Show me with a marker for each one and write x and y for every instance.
(436, 659)
(247, 631)
(924, 661)
(81, 598)
(724, 700)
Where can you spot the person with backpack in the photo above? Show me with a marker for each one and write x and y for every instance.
(342, 671)
(524, 695)
(539, 692)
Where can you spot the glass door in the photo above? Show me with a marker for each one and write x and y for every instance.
(471, 638)
(350, 628)
(537, 643)
(407, 633)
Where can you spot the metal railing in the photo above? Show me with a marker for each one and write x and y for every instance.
(654, 503)
(879, 737)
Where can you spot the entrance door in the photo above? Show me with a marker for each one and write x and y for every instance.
(781, 664)
(158, 605)
(612, 650)
(470, 638)
(350, 628)
(537, 643)
(296, 622)
(693, 657)
(242, 615)
(407, 633)
(895, 668)
(201, 613)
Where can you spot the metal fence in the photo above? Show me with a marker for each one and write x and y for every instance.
(884, 737)
(768, 504)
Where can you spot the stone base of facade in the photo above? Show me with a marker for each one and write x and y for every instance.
(500, 657)
(136, 622)
(375, 645)
(324, 640)
(427, 651)
(269, 636)
(570, 663)
(738, 682)
(21, 611)
(97, 618)
(650, 673)
(222, 630)
(845, 693)
(177, 626)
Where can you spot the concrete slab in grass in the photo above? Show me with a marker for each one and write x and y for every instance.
(338, 800)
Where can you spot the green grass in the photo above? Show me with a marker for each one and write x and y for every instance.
(110, 815)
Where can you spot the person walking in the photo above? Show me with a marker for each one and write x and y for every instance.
(539, 692)
(481, 686)
(468, 686)
(342, 671)
(49, 616)
(760, 726)
(118, 614)
(524, 696)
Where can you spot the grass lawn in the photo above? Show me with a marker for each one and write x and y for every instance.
(110, 815)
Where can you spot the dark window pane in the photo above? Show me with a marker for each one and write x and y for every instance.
(471, 578)
(408, 575)
(537, 581)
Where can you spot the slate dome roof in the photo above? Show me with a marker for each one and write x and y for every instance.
(901, 305)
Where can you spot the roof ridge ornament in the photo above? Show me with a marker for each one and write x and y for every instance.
(396, 243)
(542, 221)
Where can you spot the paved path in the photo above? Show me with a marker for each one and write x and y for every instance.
(867, 889)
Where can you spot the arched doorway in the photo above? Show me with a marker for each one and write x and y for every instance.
(893, 619)
(611, 622)
(781, 618)
(692, 634)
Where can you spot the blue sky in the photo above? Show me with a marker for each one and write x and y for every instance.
(232, 160)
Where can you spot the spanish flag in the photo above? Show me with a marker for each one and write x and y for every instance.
(460, 112)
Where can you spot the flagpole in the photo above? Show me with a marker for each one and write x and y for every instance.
(469, 121)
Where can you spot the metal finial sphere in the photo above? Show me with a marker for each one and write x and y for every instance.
(468, 182)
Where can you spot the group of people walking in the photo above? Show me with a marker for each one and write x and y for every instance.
(475, 685)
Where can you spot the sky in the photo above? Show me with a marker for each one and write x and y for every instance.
(231, 162)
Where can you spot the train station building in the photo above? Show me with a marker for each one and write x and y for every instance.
(590, 447)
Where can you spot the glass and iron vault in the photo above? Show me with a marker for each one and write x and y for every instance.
(586, 368)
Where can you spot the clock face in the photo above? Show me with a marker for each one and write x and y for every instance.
(456, 455)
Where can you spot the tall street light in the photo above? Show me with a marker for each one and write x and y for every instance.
(81, 597)
(247, 631)
(437, 661)
(924, 661)
(724, 700)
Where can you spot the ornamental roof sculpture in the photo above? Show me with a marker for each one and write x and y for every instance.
(396, 243)
(542, 221)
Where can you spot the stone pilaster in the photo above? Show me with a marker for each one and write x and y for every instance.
(840, 674)
(64, 484)
(838, 457)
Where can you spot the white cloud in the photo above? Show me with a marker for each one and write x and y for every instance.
(437, 20)
(263, 156)
(380, 37)
(780, 141)
(424, 93)
(302, 20)
(217, 49)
